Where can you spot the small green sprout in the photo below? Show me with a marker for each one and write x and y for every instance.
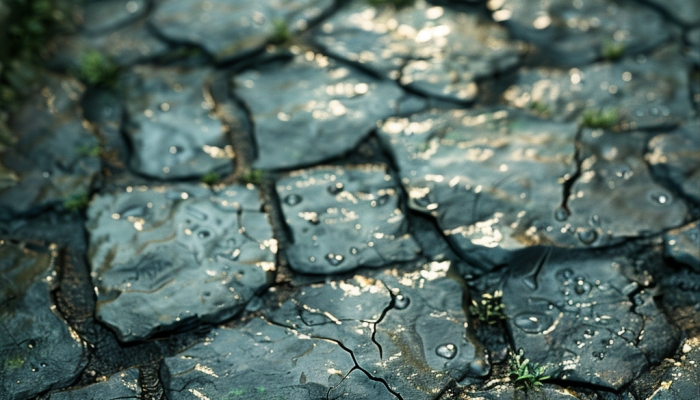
(489, 309)
(612, 50)
(540, 108)
(90, 151)
(211, 178)
(14, 363)
(600, 119)
(395, 3)
(76, 202)
(254, 176)
(96, 70)
(524, 374)
(281, 32)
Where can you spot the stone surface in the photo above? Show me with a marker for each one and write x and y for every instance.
(171, 127)
(50, 160)
(693, 38)
(344, 218)
(509, 392)
(407, 330)
(174, 255)
(120, 386)
(680, 381)
(106, 15)
(645, 92)
(492, 179)
(38, 351)
(231, 29)
(683, 245)
(320, 108)
(675, 157)
(434, 50)
(579, 316)
(293, 366)
(685, 12)
(574, 33)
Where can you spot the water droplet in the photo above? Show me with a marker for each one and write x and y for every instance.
(660, 197)
(533, 322)
(35, 369)
(599, 355)
(203, 234)
(588, 333)
(587, 236)
(448, 351)
(401, 302)
(582, 287)
(335, 188)
(353, 250)
(292, 199)
(594, 220)
(480, 367)
(174, 149)
(422, 201)
(383, 199)
(43, 364)
(334, 259)
(561, 214)
(31, 344)
(565, 275)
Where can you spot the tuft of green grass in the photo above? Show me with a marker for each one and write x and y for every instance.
(524, 374)
(392, 3)
(254, 176)
(489, 309)
(600, 119)
(96, 70)
(540, 108)
(612, 50)
(76, 202)
(211, 178)
(280, 33)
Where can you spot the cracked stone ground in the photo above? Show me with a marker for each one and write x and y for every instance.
(309, 199)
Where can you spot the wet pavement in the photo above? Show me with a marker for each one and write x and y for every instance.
(316, 200)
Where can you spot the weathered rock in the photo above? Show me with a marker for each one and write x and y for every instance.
(174, 255)
(120, 386)
(615, 196)
(106, 15)
(434, 50)
(344, 218)
(320, 109)
(230, 29)
(683, 245)
(408, 330)
(693, 38)
(258, 360)
(576, 314)
(675, 157)
(577, 33)
(510, 392)
(38, 351)
(492, 179)
(643, 92)
(171, 127)
(358, 385)
(685, 12)
(680, 381)
(51, 158)
(125, 46)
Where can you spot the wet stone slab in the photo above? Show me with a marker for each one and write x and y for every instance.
(408, 330)
(579, 316)
(615, 197)
(256, 361)
(38, 351)
(106, 15)
(171, 125)
(680, 381)
(51, 159)
(230, 29)
(344, 218)
(644, 92)
(175, 255)
(683, 245)
(323, 108)
(575, 33)
(685, 12)
(431, 49)
(120, 386)
(675, 157)
(492, 179)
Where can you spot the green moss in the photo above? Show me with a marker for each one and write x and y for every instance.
(90, 151)
(254, 176)
(489, 309)
(600, 119)
(14, 362)
(540, 108)
(76, 202)
(392, 3)
(524, 374)
(211, 178)
(96, 70)
(281, 32)
(612, 50)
